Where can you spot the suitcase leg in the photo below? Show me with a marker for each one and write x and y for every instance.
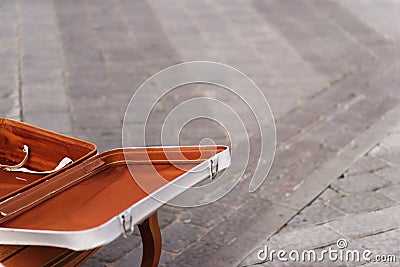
(151, 239)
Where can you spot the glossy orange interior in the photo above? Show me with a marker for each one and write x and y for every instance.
(110, 189)
(47, 149)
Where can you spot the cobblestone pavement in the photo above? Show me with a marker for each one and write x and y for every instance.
(328, 68)
(360, 206)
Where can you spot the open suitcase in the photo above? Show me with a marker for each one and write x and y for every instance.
(61, 217)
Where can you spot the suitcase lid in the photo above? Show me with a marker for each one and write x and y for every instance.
(94, 202)
(46, 150)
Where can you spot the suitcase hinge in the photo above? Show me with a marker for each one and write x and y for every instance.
(127, 225)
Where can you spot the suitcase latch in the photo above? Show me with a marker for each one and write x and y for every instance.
(213, 168)
(127, 225)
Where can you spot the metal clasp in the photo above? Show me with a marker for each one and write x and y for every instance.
(126, 220)
(213, 168)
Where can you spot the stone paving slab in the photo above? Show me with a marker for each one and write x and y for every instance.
(374, 227)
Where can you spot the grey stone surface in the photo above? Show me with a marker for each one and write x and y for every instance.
(360, 183)
(134, 258)
(94, 263)
(364, 201)
(316, 213)
(194, 254)
(306, 238)
(166, 217)
(391, 192)
(382, 244)
(364, 229)
(227, 233)
(367, 164)
(207, 216)
(329, 194)
(363, 224)
(179, 236)
(393, 212)
(391, 174)
(253, 259)
(118, 249)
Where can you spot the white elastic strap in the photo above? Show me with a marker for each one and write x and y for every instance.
(64, 162)
(19, 165)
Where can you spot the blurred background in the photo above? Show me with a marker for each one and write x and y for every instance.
(329, 69)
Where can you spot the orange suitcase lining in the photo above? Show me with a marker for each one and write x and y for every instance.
(107, 191)
(47, 149)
